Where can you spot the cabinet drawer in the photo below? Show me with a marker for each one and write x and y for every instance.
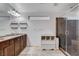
(4, 44)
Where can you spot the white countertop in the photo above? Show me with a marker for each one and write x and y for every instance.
(9, 37)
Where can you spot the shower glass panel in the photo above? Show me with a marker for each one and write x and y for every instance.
(72, 37)
(68, 33)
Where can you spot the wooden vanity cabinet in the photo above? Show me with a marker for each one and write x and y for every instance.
(2, 46)
(20, 44)
(9, 51)
(12, 47)
(17, 46)
(1, 52)
(24, 41)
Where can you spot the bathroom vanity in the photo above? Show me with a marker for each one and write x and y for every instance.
(12, 45)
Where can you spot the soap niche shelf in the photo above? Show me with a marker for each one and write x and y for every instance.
(14, 25)
(23, 25)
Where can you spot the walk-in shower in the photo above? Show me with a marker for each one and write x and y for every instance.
(68, 33)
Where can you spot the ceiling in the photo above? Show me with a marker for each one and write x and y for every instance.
(4, 8)
(36, 9)
(42, 9)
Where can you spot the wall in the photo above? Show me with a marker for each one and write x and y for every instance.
(4, 25)
(39, 28)
(35, 30)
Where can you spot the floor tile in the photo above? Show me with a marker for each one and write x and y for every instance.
(37, 51)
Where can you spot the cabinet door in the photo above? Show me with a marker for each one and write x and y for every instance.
(25, 40)
(9, 51)
(2, 46)
(17, 46)
(22, 42)
(1, 52)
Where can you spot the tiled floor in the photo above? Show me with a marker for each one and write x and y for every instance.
(37, 51)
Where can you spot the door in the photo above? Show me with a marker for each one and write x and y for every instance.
(60, 31)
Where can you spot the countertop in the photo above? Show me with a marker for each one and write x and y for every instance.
(9, 37)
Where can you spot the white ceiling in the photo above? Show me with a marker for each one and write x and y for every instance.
(39, 9)
(36, 9)
(42, 7)
(4, 8)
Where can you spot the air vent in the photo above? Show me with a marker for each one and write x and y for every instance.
(39, 18)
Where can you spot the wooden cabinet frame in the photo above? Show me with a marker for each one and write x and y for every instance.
(13, 47)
